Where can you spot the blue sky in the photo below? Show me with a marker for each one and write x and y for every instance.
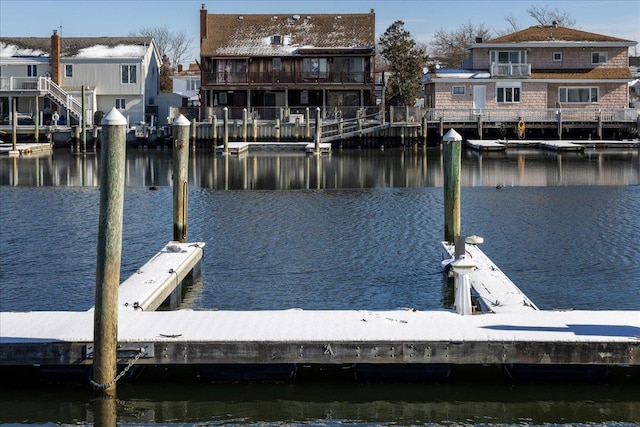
(422, 18)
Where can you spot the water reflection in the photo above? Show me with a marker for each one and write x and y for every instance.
(341, 169)
(334, 404)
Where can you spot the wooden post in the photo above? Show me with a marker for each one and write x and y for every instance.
(559, 113)
(225, 130)
(180, 133)
(214, 130)
(318, 130)
(193, 133)
(14, 124)
(84, 122)
(36, 122)
(452, 142)
(307, 117)
(245, 117)
(276, 130)
(254, 126)
(109, 253)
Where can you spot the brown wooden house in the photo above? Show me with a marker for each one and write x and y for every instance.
(269, 62)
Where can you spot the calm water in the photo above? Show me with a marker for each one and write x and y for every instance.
(355, 230)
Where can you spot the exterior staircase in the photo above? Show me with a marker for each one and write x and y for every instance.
(334, 130)
(61, 97)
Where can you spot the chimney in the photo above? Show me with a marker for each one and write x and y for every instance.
(479, 40)
(203, 23)
(179, 68)
(55, 57)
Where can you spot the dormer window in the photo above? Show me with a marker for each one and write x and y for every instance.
(276, 40)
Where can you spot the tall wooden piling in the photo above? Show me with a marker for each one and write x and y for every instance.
(225, 130)
(109, 253)
(245, 119)
(36, 121)
(318, 130)
(14, 124)
(180, 132)
(452, 143)
(84, 121)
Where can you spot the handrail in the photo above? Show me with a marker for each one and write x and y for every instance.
(533, 115)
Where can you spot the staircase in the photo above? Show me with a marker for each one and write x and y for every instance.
(335, 130)
(61, 97)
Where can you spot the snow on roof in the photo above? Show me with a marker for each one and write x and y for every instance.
(119, 51)
(455, 73)
(11, 50)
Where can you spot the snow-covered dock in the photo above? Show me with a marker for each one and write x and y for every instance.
(244, 147)
(160, 277)
(507, 331)
(552, 145)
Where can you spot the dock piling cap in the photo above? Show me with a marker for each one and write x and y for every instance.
(113, 118)
(452, 135)
(463, 263)
(181, 121)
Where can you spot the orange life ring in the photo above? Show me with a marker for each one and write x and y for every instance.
(520, 129)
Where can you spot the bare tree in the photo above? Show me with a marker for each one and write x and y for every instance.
(174, 45)
(546, 16)
(451, 46)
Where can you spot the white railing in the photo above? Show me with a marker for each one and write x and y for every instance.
(19, 83)
(510, 70)
(61, 96)
(535, 115)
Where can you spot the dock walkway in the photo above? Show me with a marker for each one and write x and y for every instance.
(244, 147)
(493, 290)
(155, 281)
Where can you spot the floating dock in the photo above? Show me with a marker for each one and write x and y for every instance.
(553, 145)
(244, 147)
(25, 148)
(510, 335)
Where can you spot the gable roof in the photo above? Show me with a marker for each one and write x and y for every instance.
(75, 47)
(546, 33)
(250, 35)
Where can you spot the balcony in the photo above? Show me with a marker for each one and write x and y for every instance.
(284, 77)
(510, 70)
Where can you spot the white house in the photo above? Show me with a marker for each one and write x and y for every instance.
(46, 77)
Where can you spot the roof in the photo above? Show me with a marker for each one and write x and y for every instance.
(541, 33)
(586, 74)
(75, 47)
(250, 35)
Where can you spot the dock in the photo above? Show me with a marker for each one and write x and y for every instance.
(25, 148)
(507, 335)
(552, 145)
(245, 147)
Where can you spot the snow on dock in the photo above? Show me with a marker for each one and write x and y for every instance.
(493, 290)
(154, 282)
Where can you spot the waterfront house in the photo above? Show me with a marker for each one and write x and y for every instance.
(268, 63)
(535, 76)
(45, 76)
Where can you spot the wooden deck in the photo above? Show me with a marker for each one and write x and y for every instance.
(245, 147)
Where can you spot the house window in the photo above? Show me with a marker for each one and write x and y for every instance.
(68, 70)
(508, 57)
(129, 74)
(457, 90)
(598, 57)
(314, 67)
(557, 56)
(277, 64)
(32, 70)
(193, 85)
(578, 95)
(508, 93)
(121, 104)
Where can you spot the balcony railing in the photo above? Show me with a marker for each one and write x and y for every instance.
(510, 70)
(276, 77)
(18, 83)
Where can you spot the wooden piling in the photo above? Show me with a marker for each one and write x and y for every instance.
(452, 143)
(180, 132)
(84, 121)
(36, 122)
(244, 124)
(14, 124)
(193, 133)
(225, 130)
(318, 130)
(109, 252)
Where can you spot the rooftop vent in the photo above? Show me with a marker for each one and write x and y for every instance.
(479, 40)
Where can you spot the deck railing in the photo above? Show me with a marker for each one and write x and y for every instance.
(244, 78)
(534, 115)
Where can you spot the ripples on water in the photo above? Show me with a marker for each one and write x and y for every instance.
(374, 245)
